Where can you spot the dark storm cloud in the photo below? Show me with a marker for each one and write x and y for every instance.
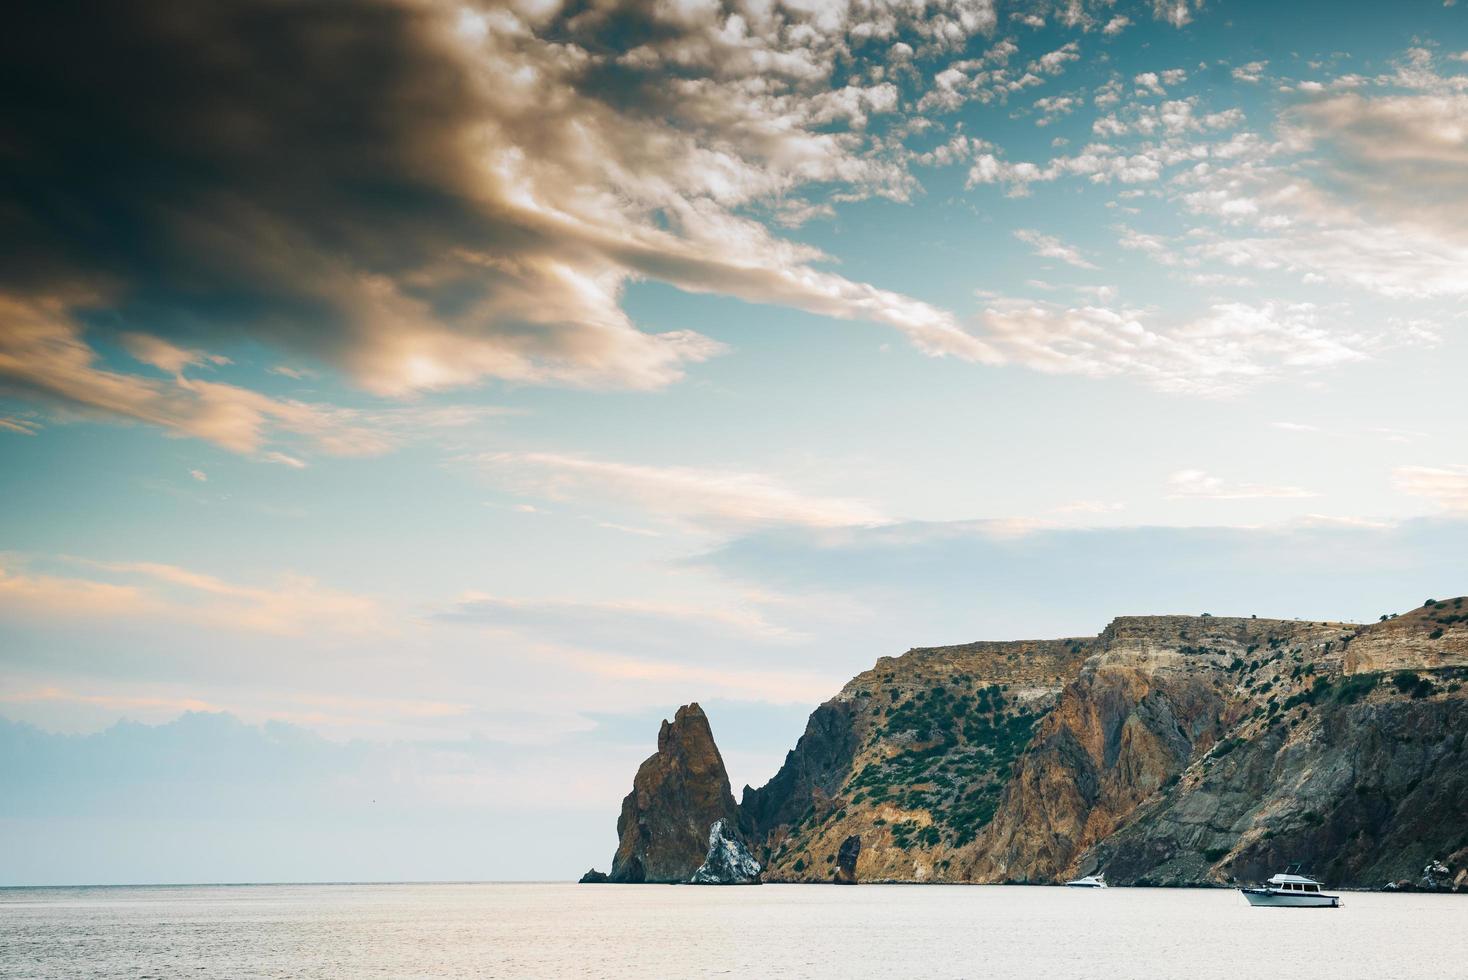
(163, 143)
(420, 192)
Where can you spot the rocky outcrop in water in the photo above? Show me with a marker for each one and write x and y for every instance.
(728, 861)
(846, 859)
(678, 794)
(1166, 750)
(594, 877)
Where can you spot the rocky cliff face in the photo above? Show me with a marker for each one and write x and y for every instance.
(1169, 749)
(911, 757)
(1158, 692)
(679, 793)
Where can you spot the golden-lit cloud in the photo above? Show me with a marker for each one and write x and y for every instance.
(292, 604)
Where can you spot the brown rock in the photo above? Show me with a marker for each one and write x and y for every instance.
(677, 795)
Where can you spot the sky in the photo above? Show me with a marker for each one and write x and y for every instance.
(407, 404)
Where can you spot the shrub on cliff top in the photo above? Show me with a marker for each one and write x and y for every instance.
(1408, 682)
(1356, 687)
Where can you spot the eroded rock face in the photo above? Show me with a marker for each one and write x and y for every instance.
(677, 795)
(1361, 793)
(846, 859)
(1159, 691)
(728, 861)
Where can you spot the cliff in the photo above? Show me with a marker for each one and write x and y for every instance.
(679, 793)
(911, 757)
(1166, 750)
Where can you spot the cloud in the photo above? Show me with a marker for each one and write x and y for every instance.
(1403, 156)
(704, 498)
(1055, 107)
(1050, 247)
(1447, 486)
(1178, 13)
(284, 460)
(199, 475)
(26, 427)
(425, 194)
(293, 605)
(1231, 347)
(1252, 72)
(1199, 483)
(33, 594)
(165, 356)
(44, 356)
(634, 623)
(1148, 83)
(1116, 25)
(1363, 187)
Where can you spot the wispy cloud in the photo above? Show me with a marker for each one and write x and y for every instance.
(706, 498)
(1050, 247)
(44, 354)
(1201, 484)
(1447, 486)
(292, 604)
(1232, 347)
(26, 427)
(638, 619)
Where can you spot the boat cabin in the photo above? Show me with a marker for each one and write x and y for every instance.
(1294, 883)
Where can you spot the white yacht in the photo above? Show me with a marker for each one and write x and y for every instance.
(1089, 881)
(1291, 891)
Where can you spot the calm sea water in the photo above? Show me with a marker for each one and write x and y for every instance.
(561, 930)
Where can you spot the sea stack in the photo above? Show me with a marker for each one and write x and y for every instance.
(679, 793)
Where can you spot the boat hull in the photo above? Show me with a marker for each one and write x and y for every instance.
(1269, 898)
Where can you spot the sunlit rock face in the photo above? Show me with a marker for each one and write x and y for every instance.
(1167, 750)
(911, 757)
(728, 861)
(678, 794)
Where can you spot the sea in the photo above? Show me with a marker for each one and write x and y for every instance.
(567, 930)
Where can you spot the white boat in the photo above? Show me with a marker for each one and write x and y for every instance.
(1291, 891)
(1089, 881)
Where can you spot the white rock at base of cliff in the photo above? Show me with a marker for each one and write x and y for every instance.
(728, 863)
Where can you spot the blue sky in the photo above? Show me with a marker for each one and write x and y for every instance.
(394, 448)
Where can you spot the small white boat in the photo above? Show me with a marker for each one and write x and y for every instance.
(1291, 891)
(1089, 881)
